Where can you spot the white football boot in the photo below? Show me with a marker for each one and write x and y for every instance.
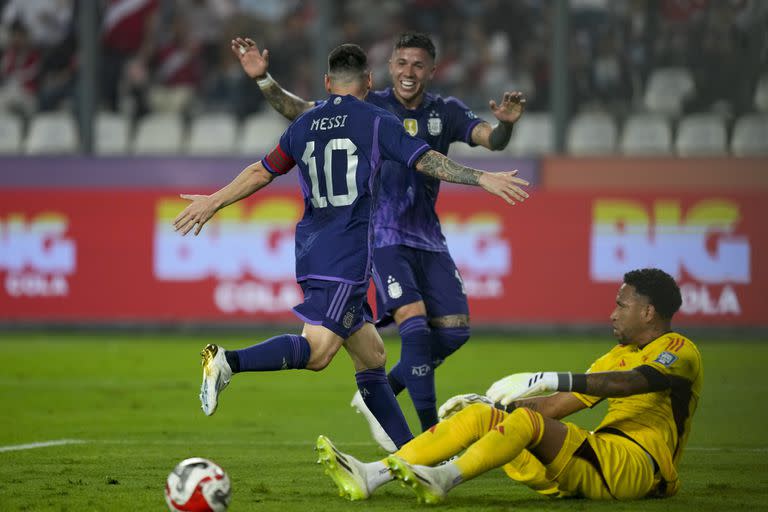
(347, 472)
(377, 431)
(216, 376)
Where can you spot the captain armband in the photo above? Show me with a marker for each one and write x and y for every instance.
(265, 82)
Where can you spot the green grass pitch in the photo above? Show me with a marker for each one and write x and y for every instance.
(132, 402)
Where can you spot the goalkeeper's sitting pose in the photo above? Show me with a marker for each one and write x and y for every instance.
(652, 380)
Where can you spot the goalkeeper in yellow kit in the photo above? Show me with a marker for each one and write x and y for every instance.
(652, 380)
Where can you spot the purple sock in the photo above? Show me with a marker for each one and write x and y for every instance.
(284, 352)
(446, 341)
(378, 396)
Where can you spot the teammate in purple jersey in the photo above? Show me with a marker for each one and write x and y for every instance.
(339, 147)
(417, 282)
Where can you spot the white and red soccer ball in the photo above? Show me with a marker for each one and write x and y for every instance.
(198, 485)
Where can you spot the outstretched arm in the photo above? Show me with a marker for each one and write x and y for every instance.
(255, 65)
(508, 112)
(202, 207)
(642, 379)
(503, 184)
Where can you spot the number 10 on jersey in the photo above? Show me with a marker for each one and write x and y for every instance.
(318, 201)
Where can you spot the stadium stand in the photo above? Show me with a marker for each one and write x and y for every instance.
(666, 90)
(112, 134)
(52, 133)
(10, 133)
(750, 135)
(646, 135)
(159, 134)
(261, 132)
(532, 135)
(212, 134)
(591, 133)
(701, 135)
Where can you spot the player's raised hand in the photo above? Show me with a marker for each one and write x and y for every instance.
(511, 108)
(197, 213)
(505, 185)
(254, 63)
(522, 385)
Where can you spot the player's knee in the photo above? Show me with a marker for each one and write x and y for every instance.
(319, 362)
(321, 354)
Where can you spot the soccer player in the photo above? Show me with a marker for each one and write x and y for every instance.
(339, 147)
(417, 282)
(652, 380)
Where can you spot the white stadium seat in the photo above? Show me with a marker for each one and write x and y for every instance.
(10, 133)
(666, 89)
(646, 135)
(159, 134)
(750, 135)
(532, 135)
(111, 134)
(761, 94)
(592, 133)
(701, 135)
(52, 133)
(261, 132)
(212, 134)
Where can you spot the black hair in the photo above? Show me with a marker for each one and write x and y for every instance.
(416, 40)
(347, 59)
(659, 287)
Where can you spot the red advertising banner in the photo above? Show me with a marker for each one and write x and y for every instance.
(112, 255)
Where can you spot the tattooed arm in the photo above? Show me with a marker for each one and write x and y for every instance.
(502, 184)
(555, 406)
(255, 65)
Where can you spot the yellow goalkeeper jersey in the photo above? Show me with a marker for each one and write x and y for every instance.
(659, 421)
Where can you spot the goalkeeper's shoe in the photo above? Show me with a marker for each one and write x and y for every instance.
(216, 376)
(416, 478)
(377, 431)
(347, 472)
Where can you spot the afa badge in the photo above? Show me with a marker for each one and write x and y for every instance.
(434, 126)
(666, 359)
(394, 290)
(411, 126)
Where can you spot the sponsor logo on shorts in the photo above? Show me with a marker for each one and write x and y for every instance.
(394, 290)
(666, 358)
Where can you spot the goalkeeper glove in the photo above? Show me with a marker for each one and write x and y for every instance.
(459, 402)
(525, 385)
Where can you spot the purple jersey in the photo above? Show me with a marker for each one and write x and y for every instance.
(339, 147)
(405, 213)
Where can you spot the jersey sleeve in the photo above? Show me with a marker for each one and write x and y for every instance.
(677, 358)
(462, 121)
(279, 161)
(395, 143)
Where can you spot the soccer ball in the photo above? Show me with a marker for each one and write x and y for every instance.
(198, 485)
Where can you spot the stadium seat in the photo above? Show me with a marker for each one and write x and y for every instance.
(666, 89)
(646, 135)
(212, 134)
(532, 135)
(159, 134)
(111, 134)
(592, 133)
(761, 94)
(701, 135)
(10, 133)
(261, 132)
(750, 135)
(52, 133)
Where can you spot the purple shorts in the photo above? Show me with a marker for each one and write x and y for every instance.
(340, 307)
(403, 275)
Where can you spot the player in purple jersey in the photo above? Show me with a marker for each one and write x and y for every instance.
(417, 281)
(339, 147)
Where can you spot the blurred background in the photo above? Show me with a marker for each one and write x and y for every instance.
(645, 139)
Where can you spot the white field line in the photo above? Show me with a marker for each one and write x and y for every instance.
(41, 444)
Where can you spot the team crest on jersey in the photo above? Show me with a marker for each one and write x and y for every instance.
(411, 126)
(666, 358)
(394, 290)
(434, 126)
